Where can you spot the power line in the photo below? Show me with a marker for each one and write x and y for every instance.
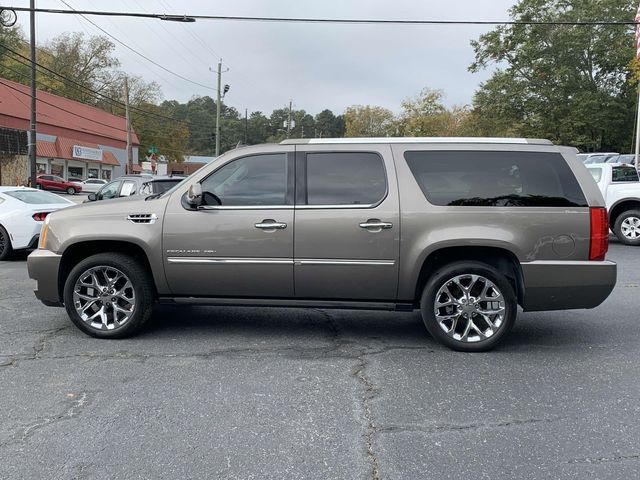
(95, 92)
(356, 21)
(82, 14)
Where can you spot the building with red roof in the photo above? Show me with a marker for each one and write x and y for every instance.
(73, 139)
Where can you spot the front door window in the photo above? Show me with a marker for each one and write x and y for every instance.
(258, 180)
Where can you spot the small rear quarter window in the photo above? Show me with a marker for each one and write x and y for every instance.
(495, 179)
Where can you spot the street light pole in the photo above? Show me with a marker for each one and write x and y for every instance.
(32, 132)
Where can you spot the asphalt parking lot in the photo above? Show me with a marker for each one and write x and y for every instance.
(252, 393)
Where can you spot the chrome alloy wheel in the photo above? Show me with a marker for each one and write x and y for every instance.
(469, 308)
(631, 228)
(104, 298)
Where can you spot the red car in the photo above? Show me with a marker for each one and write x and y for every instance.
(53, 182)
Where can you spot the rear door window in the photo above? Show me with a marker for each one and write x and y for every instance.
(349, 178)
(495, 179)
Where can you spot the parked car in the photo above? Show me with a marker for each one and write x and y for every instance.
(620, 187)
(22, 213)
(53, 182)
(91, 185)
(625, 159)
(487, 225)
(130, 185)
(588, 158)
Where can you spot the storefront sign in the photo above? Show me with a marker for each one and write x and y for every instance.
(87, 153)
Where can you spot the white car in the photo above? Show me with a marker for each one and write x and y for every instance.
(22, 213)
(620, 187)
(91, 185)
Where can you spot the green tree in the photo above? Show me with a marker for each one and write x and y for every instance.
(568, 83)
(369, 121)
(329, 125)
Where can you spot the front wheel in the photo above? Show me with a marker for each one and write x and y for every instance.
(468, 306)
(109, 295)
(71, 191)
(627, 227)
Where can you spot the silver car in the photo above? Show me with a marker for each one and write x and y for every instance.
(464, 230)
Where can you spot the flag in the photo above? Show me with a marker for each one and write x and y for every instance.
(638, 34)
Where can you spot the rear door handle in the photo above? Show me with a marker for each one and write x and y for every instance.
(376, 224)
(271, 225)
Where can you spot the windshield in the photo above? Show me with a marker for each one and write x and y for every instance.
(33, 197)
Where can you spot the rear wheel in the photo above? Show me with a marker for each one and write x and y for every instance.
(627, 227)
(71, 191)
(109, 295)
(468, 306)
(5, 244)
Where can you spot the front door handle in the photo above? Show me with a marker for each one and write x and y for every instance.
(271, 225)
(376, 224)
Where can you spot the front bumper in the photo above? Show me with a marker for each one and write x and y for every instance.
(550, 285)
(43, 266)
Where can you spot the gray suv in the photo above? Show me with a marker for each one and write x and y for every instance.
(464, 230)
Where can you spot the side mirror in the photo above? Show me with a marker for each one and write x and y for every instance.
(92, 197)
(194, 195)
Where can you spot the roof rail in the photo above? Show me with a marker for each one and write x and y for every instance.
(383, 140)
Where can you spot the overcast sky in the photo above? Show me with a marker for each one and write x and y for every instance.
(318, 66)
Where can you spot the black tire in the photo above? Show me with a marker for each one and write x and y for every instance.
(445, 275)
(5, 244)
(71, 191)
(617, 228)
(143, 288)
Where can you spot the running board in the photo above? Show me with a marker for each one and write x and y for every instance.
(292, 303)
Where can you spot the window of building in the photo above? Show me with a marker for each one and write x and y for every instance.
(350, 178)
(106, 175)
(257, 180)
(93, 173)
(495, 179)
(76, 172)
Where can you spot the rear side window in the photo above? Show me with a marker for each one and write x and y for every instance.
(349, 178)
(495, 179)
(624, 174)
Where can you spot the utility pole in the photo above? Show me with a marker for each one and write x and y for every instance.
(129, 168)
(218, 109)
(246, 126)
(32, 132)
(289, 118)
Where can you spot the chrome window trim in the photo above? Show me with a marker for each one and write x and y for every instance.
(245, 207)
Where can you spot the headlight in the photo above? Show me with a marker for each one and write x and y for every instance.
(43, 233)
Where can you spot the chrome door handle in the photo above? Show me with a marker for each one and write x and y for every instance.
(271, 225)
(376, 224)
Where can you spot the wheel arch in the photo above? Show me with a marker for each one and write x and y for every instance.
(502, 259)
(77, 252)
(620, 207)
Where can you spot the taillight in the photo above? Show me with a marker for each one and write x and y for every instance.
(39, 217)
(599, 233)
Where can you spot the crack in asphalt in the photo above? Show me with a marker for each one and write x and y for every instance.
(443, 428)
(617, 458)
(359, 373)
(78, 402)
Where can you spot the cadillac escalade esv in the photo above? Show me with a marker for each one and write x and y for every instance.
(463, 229)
